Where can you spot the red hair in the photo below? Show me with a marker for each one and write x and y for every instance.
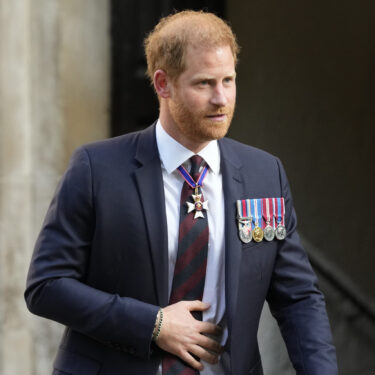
(166, 45)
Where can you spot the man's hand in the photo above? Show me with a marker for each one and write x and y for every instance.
(182, 335)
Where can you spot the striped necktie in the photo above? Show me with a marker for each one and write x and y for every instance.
(190, 269)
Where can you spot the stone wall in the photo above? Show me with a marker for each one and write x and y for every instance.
(54, 95)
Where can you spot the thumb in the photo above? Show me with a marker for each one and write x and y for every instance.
(197, 305)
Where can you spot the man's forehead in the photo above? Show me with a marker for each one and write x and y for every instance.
(213, 57)
(195, 48)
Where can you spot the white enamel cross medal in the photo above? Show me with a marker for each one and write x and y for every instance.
(198, 205)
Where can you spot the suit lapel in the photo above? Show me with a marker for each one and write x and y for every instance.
(233, 190)
(150, 185)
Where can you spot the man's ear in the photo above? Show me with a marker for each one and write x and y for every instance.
(162, 84)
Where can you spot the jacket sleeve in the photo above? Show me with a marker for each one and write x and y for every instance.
(56, 286)
(296, 302)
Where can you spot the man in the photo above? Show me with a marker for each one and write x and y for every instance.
(146, 252)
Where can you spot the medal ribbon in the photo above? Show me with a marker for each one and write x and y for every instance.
(280, 211)
(267, 210)
(259, 212)
(274, 212)
(243, 210)
(256, 207)
(189, 180)
(252, 210)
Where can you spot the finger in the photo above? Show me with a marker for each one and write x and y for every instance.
(197, 305)
(210, 328)
(204, 355)
(209, 344)
(191, 361)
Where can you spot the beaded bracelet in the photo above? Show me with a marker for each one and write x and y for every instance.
(158, 324)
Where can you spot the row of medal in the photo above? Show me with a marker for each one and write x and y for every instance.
(260, 219)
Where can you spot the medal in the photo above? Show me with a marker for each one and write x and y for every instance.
(199, 205)
(280, 231)
(257, 209)
(260, 219)
(245, 231)
(258, 234)
(269, 233)
(244, 220)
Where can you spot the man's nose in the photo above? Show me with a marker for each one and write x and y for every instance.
(218, 96)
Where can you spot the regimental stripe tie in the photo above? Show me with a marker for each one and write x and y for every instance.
(190, 269)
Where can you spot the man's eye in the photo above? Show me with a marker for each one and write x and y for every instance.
(203, 83)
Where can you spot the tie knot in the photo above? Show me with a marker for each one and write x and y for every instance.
(196, 162)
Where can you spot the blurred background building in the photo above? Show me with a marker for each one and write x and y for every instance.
(73, 71)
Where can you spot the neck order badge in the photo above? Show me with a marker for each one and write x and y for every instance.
(198, 204)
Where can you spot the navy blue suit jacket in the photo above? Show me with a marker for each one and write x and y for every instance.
(100, 265)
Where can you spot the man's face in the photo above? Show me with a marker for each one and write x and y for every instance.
(203, 96)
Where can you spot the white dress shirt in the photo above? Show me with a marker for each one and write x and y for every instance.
(172, 155)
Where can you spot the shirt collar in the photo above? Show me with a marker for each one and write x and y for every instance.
(173, 154)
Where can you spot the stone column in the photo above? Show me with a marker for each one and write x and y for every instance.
(15, 182)
(54, 95)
